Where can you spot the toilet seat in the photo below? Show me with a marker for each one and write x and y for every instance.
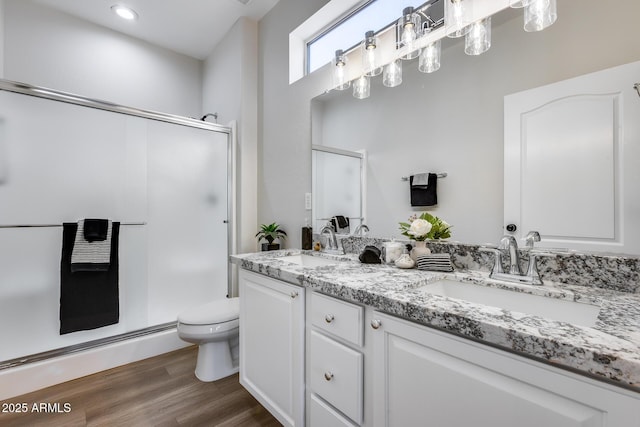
(219, 311)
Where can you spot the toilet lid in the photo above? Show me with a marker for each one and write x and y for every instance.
(218, 311)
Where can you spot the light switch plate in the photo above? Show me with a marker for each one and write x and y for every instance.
(307, 201)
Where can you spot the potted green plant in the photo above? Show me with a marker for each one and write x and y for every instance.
(270, 233)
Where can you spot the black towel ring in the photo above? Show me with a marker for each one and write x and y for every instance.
(637, 88)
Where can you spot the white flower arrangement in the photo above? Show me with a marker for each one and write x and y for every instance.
(425, 226)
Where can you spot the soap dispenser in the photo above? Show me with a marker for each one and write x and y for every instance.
(307, 235)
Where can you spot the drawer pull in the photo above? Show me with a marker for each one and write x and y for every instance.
(328, 318)
(375, 323)
(294, 294)
(328, 376)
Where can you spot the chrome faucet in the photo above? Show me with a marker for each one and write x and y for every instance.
(332, 242)
(515, 274)
(510, 243)
(361, 230)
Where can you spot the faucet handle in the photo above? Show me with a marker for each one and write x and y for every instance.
(497, 260)
(531, 238)
(532, 270)
(507, 241)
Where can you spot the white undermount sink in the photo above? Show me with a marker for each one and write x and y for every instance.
(547, 307)
(309, 260)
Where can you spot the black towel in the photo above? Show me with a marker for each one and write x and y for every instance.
(339, 222)
(95, 229)
(370, 255)
(88, 299)
(424, 195)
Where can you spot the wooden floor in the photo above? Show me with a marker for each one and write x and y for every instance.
(160, 391)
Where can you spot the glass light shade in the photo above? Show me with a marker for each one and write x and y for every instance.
(361, 87)
(371, 55)
(457, 17)
(516, 4)
(429, 60)
(478, 39)
(392, 75)
(340, 81)
(539, 14)
(408, 30)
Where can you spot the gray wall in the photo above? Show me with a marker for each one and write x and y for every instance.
(284, 166)
(1, 39)
(449, 121)
(229, 87)
(48, 48)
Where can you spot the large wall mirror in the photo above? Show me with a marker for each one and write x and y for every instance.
(453, 120)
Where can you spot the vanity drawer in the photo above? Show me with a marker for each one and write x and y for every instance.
(321, 414)
(340, 318)
(337, 375)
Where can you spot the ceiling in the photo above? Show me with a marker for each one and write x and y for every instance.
(191, 27)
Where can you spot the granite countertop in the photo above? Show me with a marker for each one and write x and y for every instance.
(609, 350)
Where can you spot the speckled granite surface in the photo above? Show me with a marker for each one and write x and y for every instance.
(615, 272)
(610, 349)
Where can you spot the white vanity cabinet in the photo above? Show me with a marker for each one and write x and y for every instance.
(426, 377)
(272, 345)
(335, 362)
(364, 368)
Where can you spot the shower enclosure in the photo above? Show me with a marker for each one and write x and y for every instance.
(166, 179)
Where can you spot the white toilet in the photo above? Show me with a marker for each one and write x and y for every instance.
(214, 327)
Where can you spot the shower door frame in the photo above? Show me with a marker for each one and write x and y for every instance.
(69, 98)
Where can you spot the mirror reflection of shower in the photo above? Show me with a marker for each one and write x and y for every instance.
(338, 187)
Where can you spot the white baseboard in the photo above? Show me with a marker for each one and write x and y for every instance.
(35, 376)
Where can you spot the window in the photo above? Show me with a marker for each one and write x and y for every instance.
(349, 31)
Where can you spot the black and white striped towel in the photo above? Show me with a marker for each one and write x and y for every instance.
(435, 262)
(91, 256)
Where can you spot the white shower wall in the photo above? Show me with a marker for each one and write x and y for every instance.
(65, 162)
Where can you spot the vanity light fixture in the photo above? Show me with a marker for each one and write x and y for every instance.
(392, 75)
(340, 81)
(124, 12)
(478, 39)
(410, 27)
(517, 4)
(457, 17)
(408, 30)
(361, 87)
(429, 60)
(371, 55)
(539, 14)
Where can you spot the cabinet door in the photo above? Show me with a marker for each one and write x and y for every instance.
(429, 378)
(272, 345)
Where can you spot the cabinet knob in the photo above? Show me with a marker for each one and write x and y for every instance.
(294, 294)
(328, 376)
(375, 323)
(328, 318)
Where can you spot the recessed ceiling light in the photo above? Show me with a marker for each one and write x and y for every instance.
(124, 12)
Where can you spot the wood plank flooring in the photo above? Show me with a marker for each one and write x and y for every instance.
(160, 391)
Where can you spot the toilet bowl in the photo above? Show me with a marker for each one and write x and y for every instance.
(214, 327)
